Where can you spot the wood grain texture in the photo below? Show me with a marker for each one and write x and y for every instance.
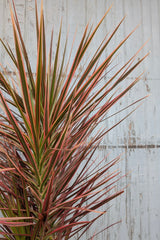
(138, 137)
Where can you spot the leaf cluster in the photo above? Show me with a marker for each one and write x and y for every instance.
(49, 178)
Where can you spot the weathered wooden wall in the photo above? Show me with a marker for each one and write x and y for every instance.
(138, 137)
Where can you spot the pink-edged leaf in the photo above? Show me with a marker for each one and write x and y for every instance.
(82, 209)
(68, 226)
(16, 224)
(12, 209)
(54, 74)
(38, 87)
(15, 218)
(37, 22)
(24, 51)
(24, 83)
(6, 170)
(46, 113)
(9, 51)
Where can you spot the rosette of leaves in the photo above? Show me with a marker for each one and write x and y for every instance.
(46, 187)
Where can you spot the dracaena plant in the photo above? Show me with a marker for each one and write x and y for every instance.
(49, 178)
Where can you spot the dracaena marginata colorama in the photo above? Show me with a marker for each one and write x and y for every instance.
(49, 178)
